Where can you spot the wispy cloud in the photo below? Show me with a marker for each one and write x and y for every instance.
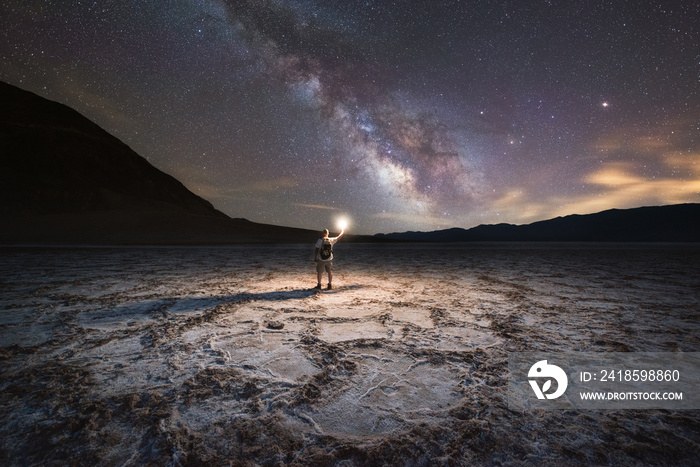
(418, 221)
(316, 206)
(612, 185)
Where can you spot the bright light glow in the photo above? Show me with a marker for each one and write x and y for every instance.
(342, 224)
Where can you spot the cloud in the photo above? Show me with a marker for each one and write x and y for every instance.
(613, 184)
(634, 166)
(316, 206)
(645, 142)
(684, 163)
(417, 221)
(643, 166)
(614, 175)
(517, 206)
(623, 187)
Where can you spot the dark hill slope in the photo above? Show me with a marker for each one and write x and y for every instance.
(54, 160)
(65, 180)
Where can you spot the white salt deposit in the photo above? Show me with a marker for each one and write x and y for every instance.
(214, 355)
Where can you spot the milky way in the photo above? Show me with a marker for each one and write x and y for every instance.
(401, 115)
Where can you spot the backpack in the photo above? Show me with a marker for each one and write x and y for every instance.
(326, 249)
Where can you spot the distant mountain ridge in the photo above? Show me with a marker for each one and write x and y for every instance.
(673, 223)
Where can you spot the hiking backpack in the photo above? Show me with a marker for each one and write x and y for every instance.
(326, 249)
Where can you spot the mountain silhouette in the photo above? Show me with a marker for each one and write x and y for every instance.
(63, 179)
(674, 223)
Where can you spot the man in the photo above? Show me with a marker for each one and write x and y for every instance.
(323, 257)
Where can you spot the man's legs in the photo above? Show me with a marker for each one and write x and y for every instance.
(319, 274)
(328, 266)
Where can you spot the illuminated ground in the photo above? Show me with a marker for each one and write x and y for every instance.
(226, 355)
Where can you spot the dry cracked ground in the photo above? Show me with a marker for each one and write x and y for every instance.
(226, 356)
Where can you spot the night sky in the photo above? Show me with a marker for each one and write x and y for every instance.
(403, 115)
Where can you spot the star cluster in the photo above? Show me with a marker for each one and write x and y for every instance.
(404, 115)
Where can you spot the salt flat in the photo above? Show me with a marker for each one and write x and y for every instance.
(225, 355)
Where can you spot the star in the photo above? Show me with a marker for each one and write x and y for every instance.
(299, 105)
